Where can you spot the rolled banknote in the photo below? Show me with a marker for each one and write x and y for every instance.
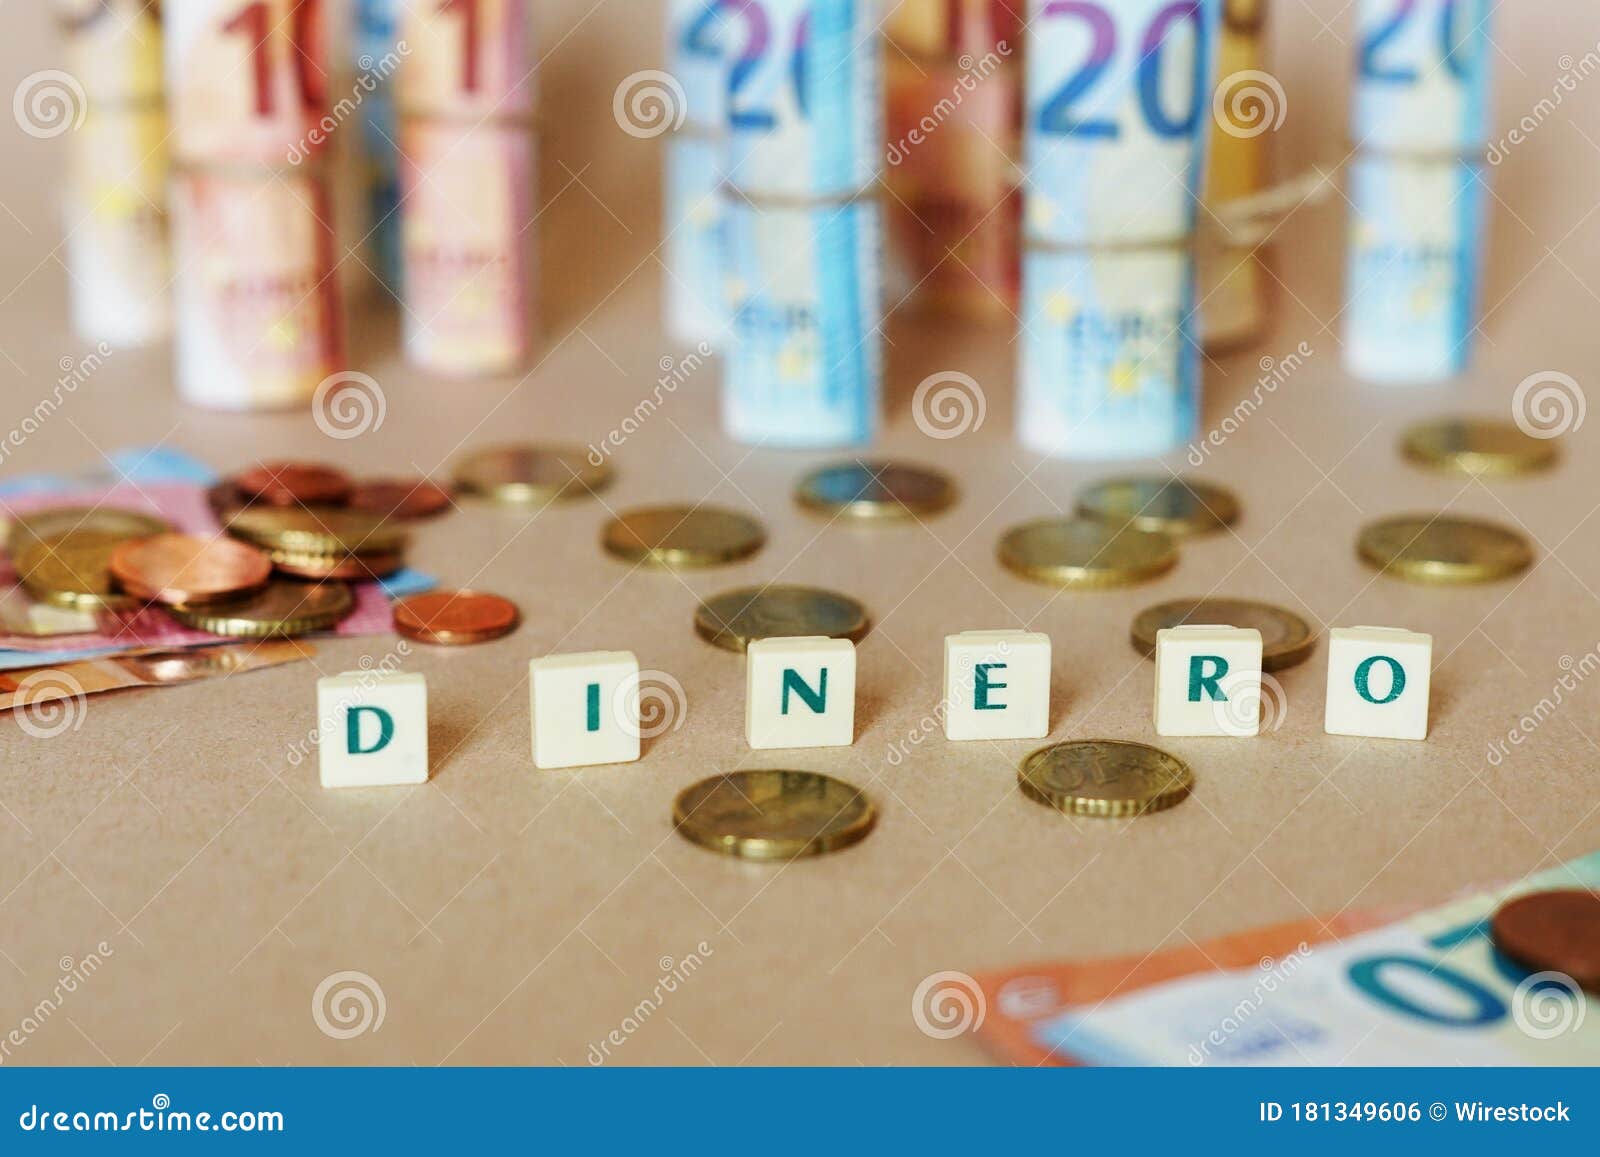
(467, 244)
(1107, 367)
(117, 244)
(468, 59)
(380, 52)
(955, 215)
(1116, 121)
(1422, 76)
(696, 44)
(246, 83)
(945, 29)
(1426, 988)
(692, 245)
(802, 366)
(256, 295)
(1248, 105)
(804, 97)
(116, 196)
(1417, 230)
(1417, 188)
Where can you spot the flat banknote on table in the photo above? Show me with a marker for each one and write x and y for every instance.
(1116, 120)
(1421, 988)
(804, 291)
(115, 201)
(1418, 187)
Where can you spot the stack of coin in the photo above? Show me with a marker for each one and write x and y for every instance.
(281, 609)
(316, 522)
(1108, 779)
(773, 815)
(63, 554)
(524, 474)
(954, 81)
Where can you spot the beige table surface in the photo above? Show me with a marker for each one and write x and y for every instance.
(513, 916)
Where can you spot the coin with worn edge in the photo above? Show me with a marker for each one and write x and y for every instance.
(455, 618)
(773, 815)
(282, 608)
(1556, 931)
(875, 491)
(1105, 778)
(1286, 638)
(683, 536)
(1080, 552)
(1176, 506)
(289, 483)
(1439, 550)
(530, 475)
(183, 568)
(1482, 447)
(734, 619)
(74, 570)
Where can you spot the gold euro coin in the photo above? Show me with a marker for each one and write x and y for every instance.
(530, 475)
(29, 528)
(1084, 553)
(773, 815)
(74, 570)
(281, 609)
(360, 567)
(1286, 638)
(317, 530)
(875, 491)
(735, 619)
(683, 536)
(1480, 447)
(1442, 551)
(1168, 505)
(1105, 778)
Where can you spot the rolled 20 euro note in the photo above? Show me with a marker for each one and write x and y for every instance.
(802, 234)
(1116, 122)
(257, 300)
(467, 100)
(804, 290)
(693, 113)
(1425, 988)
(1417, 187)
(115, 202)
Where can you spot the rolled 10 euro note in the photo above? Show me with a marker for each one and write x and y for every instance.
(1116, 122)
(1418, 188)
(804, 98)
(115, 202)
(803, 363)
(379, 54)
(466, 96)
(256, 291)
